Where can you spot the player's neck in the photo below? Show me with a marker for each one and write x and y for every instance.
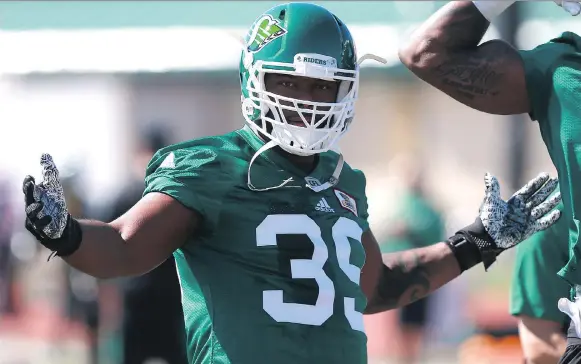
(305, 163)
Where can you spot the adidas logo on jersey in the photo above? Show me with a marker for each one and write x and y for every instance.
(324, 206)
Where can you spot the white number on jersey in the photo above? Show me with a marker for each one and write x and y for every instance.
(322, 310)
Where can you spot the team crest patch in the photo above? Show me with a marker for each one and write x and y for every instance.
(265, 31)
(347, 202)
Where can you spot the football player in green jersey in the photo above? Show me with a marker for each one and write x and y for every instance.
(267, 224)
(493, 77)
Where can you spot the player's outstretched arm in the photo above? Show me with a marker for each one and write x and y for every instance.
(407, 276)
(133, 244)
(136, 242)
(445, 53)
(404, 277)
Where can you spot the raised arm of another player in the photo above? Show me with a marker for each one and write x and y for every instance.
(397, 279)
(446, 53)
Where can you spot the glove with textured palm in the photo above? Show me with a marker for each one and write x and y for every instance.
(501, 224)
(47, 217)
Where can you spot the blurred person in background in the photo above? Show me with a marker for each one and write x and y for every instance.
(535, 290)
(268, 225)
(153, 322)
(416, 223)
(493, 77)
(7, 260)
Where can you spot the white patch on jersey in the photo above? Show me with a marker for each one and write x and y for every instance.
(324, 206)
(168, 162)
(347, 202)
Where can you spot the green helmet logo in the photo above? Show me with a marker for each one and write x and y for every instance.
(266, 30)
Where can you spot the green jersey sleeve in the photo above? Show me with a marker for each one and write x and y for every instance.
(540, 64)
(191, 175)
(361, 197)
(553, 71)
(536, 287)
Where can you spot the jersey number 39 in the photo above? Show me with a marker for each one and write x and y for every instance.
(312, 268)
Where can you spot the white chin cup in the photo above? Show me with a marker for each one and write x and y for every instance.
(300, 137)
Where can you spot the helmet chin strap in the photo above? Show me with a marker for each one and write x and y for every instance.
(333, 180)
(263, 149)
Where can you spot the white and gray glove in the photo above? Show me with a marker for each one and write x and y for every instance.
(47, 217)
(572, 309)
(572, 7)
(526, 212)
(502, 225)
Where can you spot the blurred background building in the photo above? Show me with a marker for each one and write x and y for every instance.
(82, 79)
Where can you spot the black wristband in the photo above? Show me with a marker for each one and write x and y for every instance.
(476, 235)
(71, 239)
(466, 253)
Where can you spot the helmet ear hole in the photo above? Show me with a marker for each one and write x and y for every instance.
(282, 14)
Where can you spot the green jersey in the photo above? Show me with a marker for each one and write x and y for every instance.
(553, 73)
(271, 276)
(536, 287)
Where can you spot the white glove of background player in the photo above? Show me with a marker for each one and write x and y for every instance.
(572, 7)
(572, 309)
